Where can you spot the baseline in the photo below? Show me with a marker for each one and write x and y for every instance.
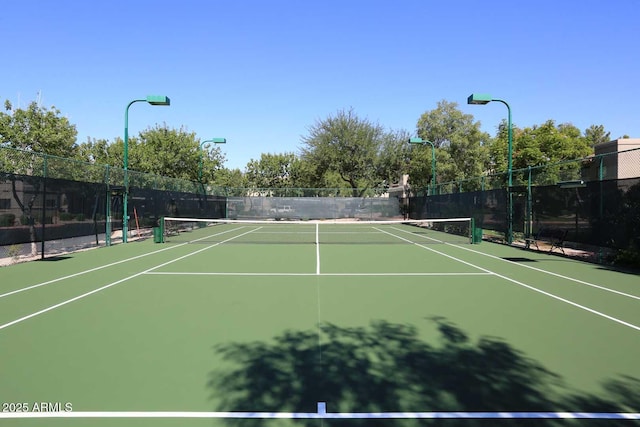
(190, 273)
(322, 414)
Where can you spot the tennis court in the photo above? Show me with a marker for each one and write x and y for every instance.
(318, 325)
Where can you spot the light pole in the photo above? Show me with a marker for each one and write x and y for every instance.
(153, 100)
(482, 99)
(213, 140)
(433, 159)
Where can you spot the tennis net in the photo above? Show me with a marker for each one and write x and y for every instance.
(425, 231)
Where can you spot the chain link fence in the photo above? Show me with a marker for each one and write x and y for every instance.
(49, 205)
(594, 202)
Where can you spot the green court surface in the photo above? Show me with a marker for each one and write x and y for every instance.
(399, 329)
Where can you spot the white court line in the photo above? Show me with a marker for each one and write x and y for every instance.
(317, 249)
(83, 272)
(330, 415)
(319, 310)
(582, 282)
(86, 294)
(582, 307)
(433, 250)
(105, 266)
(190, 273)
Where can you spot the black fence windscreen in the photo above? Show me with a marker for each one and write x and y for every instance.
(594, 215)
(601, 213)
(39, 215)
(487, 208)
(149, 205)
(47, 216)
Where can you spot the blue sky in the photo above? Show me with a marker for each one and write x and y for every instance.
(260, 73)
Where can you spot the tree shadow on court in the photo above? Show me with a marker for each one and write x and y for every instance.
(387, 367)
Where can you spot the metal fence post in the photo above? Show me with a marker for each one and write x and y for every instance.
(107, 231)
(529, 227)
(44, 205)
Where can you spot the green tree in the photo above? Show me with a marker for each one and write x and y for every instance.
(596, 135)
(395, 156)
(166, 152)
(96, 151)
(230, 182)
(38, 129)
(311, 180)
(272, 171)
(348, 146)
(212, 163)
(174, 153)
(461, 147)
(544, 144)
(498, 148)
(547, 143)
(420, 164)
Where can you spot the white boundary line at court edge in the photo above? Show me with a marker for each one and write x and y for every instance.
(582, 282)
(317, 249)
(331, 415)
(48, 282)
(192, 273)
(575, 304)
(536, 269)
(83, 272)
(86, 294)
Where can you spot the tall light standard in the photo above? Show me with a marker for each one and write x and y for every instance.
(153, 100)
(213, 140)
(433, 159)
(482, 99)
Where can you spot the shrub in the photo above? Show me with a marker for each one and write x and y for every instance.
(27, 220)
(14, 251)
(7, 220)
(628, 258)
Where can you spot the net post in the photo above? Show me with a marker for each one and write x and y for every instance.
(472, 226)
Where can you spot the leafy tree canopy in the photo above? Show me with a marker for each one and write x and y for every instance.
(395, 156)
(233, 180)
(596, 135)
(342, 150)
(347, 145)
(38, 129)
(538, 145)
(174, 153)
(271, 171)
(461, 148)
